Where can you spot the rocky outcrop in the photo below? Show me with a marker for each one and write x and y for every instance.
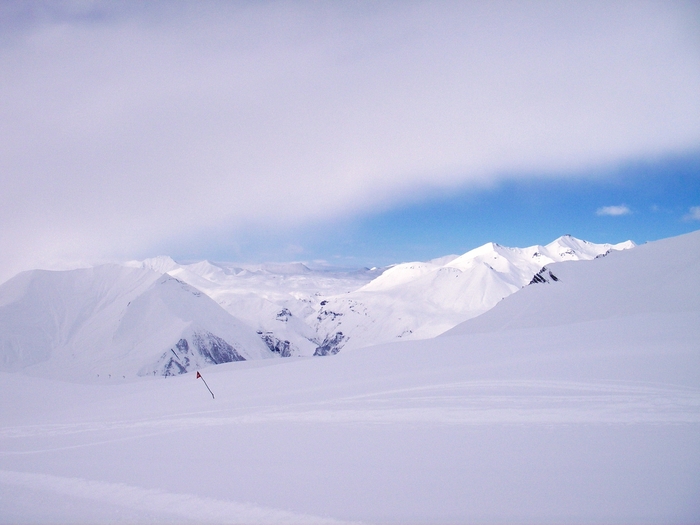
(198, 350)
(331, 344)
(283, 348)
(543, 276)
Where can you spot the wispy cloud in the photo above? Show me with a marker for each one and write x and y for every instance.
(613, 211)
(693, 214)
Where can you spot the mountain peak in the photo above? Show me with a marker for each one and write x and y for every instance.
(142, 310)
(160, 264)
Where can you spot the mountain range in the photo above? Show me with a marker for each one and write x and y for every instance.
(573, 400)
(158, 317)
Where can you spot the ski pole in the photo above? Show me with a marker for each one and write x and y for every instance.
(199, 376)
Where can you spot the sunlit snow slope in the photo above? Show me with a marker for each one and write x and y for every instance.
(113, 323)
(572, 401)
(301, 312)
(652, 280)
(117, 322)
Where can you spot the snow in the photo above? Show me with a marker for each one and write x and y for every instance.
(114, 323)
(421, 300)
(653, 278)
(407, 301)
(575, 400)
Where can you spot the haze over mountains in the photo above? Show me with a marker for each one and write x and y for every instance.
(158, 317)
(571, 400)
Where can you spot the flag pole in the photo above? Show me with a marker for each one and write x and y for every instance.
(199, 376)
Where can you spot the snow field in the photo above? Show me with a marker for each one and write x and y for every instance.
(569, 401)
(476, 427)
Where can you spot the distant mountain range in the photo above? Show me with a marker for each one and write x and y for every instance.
(158, 317)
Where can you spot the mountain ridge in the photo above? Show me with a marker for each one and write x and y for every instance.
(159, 317)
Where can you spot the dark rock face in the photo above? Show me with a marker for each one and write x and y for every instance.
(283, 315)
(283, 348)
(214, 349)
(331, 344)
(543, 276)
(324, 314)
(185, 355)
(178, 362)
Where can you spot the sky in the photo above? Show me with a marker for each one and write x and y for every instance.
(342, 133)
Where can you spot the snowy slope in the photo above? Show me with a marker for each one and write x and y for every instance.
(112, 322)
(572, 401)
(280, 301)
(421, 300)
(655, 278)
(302, 312)
(46, 311)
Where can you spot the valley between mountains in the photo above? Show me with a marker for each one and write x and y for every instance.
(574, 399)
(158, 317)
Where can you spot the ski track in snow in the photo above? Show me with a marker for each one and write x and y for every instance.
(461, 403)
(183, 506)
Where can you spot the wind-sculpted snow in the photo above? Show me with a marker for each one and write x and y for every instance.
(476, 402)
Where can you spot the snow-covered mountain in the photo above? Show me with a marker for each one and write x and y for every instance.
(300, 312)
(655, 279)
(571, 401)
(421, 300)
(158, 317)
(115, 322)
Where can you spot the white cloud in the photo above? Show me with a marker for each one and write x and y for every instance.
(613, 211)
(138, 123)
(693, 214)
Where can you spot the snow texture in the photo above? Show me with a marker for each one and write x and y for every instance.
(112, 323)
(571, 401)
(302, 312)
(157, 317)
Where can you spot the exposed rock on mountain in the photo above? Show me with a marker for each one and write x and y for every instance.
(113, 322)
(158, 317)
(199, 350)
(331, 344)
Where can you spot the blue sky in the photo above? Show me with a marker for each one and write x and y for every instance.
(351, 132)
(654, 200)
(535, 211)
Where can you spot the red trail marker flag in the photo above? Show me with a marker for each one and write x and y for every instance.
(199, 376)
